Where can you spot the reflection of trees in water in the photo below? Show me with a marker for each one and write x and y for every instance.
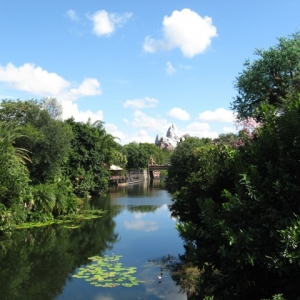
(185, 276)
(143, 208)
(36, 263)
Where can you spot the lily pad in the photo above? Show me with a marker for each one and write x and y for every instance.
(107, 272)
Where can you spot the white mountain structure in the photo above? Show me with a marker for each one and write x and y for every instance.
(171, 139)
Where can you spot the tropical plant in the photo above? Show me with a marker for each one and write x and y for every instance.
(47, 139)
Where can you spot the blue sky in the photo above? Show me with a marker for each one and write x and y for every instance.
(139, 66)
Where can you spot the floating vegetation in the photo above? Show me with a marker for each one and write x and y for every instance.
(66, 220)
(71, 226)
(108, 272)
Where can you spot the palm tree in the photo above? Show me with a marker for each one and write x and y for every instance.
(9, 133)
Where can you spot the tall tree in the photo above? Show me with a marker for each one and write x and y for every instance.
(92, 152)
(268, 79)
(47, 139)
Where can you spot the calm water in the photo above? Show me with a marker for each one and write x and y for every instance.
(39, 264)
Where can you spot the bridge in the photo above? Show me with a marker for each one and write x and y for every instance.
(158, 167)
(154, 167)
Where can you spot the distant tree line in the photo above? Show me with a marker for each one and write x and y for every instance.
(48, 165)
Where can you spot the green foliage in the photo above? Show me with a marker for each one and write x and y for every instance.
(269, 79)
(239, 211)
(137, 156)
(46, 139)
(36, 263)
(51, 200)
(14, 177)
(92, 151)
(184, 160)
(159, 155)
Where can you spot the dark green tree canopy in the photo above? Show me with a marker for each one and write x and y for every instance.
(137, 157)
(268, 79)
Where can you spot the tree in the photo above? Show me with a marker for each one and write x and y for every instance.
(14, 177)
(160, 156)
(137, 156)
(268, 79)
(238, 210)
(92, 151)
(184, 160)
(47, 139)
(53, 108)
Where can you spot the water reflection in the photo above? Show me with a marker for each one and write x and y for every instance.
(39, 263)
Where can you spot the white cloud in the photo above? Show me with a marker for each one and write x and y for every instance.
(201, 130)
(141, 136)
(146, 226)
(89, 87)
(185, 30)
(142, 120)
(32, 79)
(141, 103)
(179, 113)
(71, 109)
(37, 81)
(114, 131)
(71, 14)
(229, 129)
(105, 23)
(170, 69)
(219, 115)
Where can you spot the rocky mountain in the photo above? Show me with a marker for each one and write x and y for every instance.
(170, 140)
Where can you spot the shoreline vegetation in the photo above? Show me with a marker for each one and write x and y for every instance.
(48, 165)
(235, 198)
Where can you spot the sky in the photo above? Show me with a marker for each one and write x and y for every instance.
(138, 65)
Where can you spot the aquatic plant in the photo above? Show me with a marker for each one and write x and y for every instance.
(107, 271)
(66, 220)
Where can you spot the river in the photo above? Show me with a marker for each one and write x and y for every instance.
(133, 244)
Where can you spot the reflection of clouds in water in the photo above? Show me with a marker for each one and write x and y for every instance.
(100, 297)
(174, 218)
(163, 207)
(141, 225)
(139, 215)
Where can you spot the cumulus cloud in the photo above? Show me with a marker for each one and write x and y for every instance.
(89, 87)
(141, 225)
(71, 14)
(141, 136)
(219, 115)
(141, 103)
(140, 119)
(201, 130)
(37, 81)
(179, 113)
(185, 30)
(114, 131)
(32, 79)
(170, 69)
(105, 23)
(228, 129)
(71, 109)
